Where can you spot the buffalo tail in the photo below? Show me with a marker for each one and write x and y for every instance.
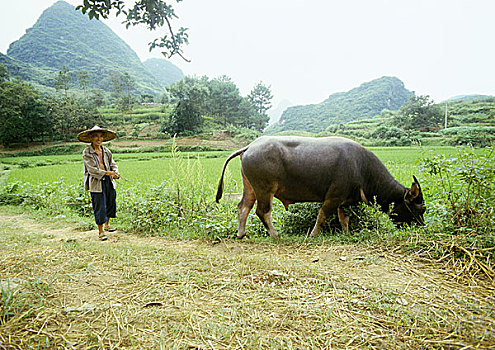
(220, 183)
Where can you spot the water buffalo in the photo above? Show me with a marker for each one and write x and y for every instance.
(333, 170)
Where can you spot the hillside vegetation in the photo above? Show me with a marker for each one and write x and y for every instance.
(363, 102)
(468, 122)
(164, 72)
(42, 78)
(193, 106)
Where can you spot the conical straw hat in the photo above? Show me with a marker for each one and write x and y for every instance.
(85, 136)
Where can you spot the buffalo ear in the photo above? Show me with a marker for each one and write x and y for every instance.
(413, 192)
(415, 180)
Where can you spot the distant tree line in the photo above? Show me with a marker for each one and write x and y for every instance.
(200, 101)
(26, 116)
(197, 104)
(420, 120)
(401, 127)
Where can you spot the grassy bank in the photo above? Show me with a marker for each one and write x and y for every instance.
(69, 290)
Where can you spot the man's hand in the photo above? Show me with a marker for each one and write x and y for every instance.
(113, 174)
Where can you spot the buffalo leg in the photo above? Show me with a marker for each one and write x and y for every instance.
(343, 219)
(245, 206)
(326, 210)
(264, 210)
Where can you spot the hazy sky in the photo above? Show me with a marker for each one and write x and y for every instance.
(307, 50)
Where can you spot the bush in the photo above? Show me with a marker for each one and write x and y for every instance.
(10, 195)
(367, 222)
(53, 198)
(465, 195)
(478, 136)
(183, 201)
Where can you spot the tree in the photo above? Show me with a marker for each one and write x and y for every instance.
(96, 98)
(122, 86)
(247, 114)
(23, 116)
(218, 100)
(83, 80)
(154, 14)
(4, 74)
(147, 98)
(190, 95)
(260, 122)
(419, 113)
(184, 120)
(261, 96)
(63, 80)
(117, 86)
(165, 98)
(224, 100)
(69, 117)
(125, 102)
(190, 88)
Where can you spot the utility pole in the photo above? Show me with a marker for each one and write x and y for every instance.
(446, 104)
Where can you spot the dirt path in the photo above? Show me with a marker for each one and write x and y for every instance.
(73, 291)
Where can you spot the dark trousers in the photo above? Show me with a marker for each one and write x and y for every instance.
(104, 203)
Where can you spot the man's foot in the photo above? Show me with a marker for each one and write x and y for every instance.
(109, 228)
(102, 236)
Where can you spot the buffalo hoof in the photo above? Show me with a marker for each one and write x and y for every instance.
(314, 233)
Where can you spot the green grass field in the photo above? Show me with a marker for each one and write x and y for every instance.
(145, 171)
(154, 168)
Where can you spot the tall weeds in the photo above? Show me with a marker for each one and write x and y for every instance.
(462, 202)
(185, 201)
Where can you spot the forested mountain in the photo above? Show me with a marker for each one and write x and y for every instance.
(28, 72)
(63, 36)
(362, 102)
(165, 72)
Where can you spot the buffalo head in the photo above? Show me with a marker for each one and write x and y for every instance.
(412, 208)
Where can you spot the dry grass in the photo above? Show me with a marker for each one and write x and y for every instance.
(142, 292)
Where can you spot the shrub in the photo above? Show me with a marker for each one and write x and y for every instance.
(299, 219)
(478, 136)
(465, 190)
(10, 195)
(184, 199)
(367, 222)
(53, 198)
